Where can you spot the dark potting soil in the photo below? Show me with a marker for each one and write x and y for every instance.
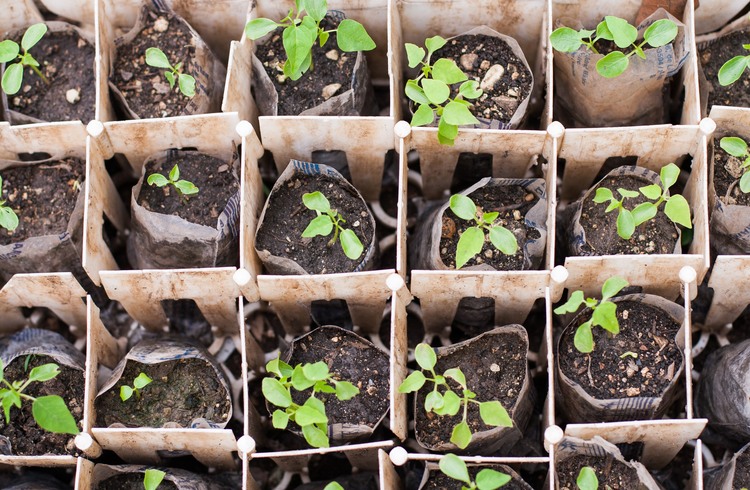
(439, 481)
(67, 60)
(130, 481)
(502, 75)
(181, 391)
(144, 87)
(495, 369)
(330, 67)
(43, 197)
(712, 57)
(607, 373)
(609, 471)
(214, 178)
(742, 471)
(26, 437)
(512, 202)
(287, 217)
(727, 173)
(656, 236)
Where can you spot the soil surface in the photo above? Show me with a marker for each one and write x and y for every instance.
(144, 87)
(502, 75)
(181, 391)
(287, 217)
(214, 178)
(26, 437)
(742, 471)
(512, 202)
(439, 481)
(330, 67)
(495, 369)
(727, 172)
(130, 481)
(656, 236)
(609, 471)
(605, 373)
(43, 197)
(712, 57)
(67, 60)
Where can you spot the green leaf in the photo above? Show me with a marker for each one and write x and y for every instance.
(321, 225)
(317, 371)
(351, 244)
(504, 240)
(44, 372)
(461, 435)
(12, 78)
(625, 224)
(612, 65)
(458, 114)
(170, 78)
(423, 116)
(186, 188)
(346, 391)
(587, 479)
(425, 356)
(187, 84)
(644, 212)
(276, 366)
(276, 393)
(414, 54)
(9, 219)
(414, 92)
(333, 486)
(612, 286)
(413, 382)
(28, 60)
(734, 146)
(126, 392)
(436, 91)
(639, 52)
(32, 36)
(457, 375)
(627, 193)
(488, 218)
(174, 174)
(152, 478)
(583, 340)
(469, 244)
(451, 404)
(257, 28)
(463, 207)
(603, 31)
(155, 57)
(307, 415)
(280, 419)
(316, 201)
(298, 44)
(299, 380)
(623, 33)
(352, 36)
(8, 51)
(493, 413)
(433, 401)
(744, 187)
(605, 316)
(434, 43)
(732, 70)
(316, 9)
(661, 32)
(652, 191)
(678, 210)
(454, 467)
(603, 195)
(314, 436)
(489, 479)
(574, 302)
(316, 404)
(447, 133)
(52, 415)
(470, 89)
(565, 40)
(323, 37)
(669, 175)
(447, 71)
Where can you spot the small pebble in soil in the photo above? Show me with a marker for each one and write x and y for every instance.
(161, 25)
(493, 75)
(332, 55)
(484, 65)
(330, 90)
(72, 96)
(467, 60)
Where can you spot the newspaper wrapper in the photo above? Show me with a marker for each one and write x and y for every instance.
(722, 477)
(426, 250)
(156, 351)
(284, 266)
(572, 232)
(15, 117)
(204, 66)
(711, 15)
(182, 479)
(496, 439)
(723, 393)
(165, 241)
(633, 98)
(434, 469)
(352, 102)
(581, 407)
(729, 223)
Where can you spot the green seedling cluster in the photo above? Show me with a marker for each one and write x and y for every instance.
(431, 91)
(472, 239)
(152, 479)
(186, 83)
(330, 220)
(301, 32)
(183, 187)
(619, 31)
(604, 313)
(10, 51)
(311, 415)
(140, 382)
(587, 479)
(487, 479)
(449, 402)
(49, 411)
(8, 217)
(676, 206)
(737, 147)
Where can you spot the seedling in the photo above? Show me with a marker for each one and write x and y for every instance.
(329, 220)
(183, 187)
(587, 479)
(300, 35)
(449, 402)
(49, 411)
(152, 479)
(472, 239)
(8, 217)
(10, 51)
(738, 148)
(140, 382)
(676, 206)
(624, 35)
(186, 83)
(311, 415)
(487, 479)
(732, 70)
(333, 486)
(431, 91)
(604, 313)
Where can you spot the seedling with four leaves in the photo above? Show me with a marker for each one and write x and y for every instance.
(624, 35)
(10, 51)
(737, 147)
(183, 187)
(186, 83)
(587, 479)
(140, 382)
(449, 402)
(330, 220)
(152, 478)
(8, 217)
(487, 479)
(604, 313)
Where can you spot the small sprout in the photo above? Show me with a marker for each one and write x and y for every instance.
(487, 479)
(604, 313)
(311, 415)
(8, 217)
(431, 91)
(140, 382)
(472, 240)
(183, 187)
(732, 70)
(628, 354)
(329, 220)
(449, 402)
(10, 50)
(155, 57)
(624, 35)
(738, 148)
(333, 486)
(587, 479)
(300, 35)
(152, 479)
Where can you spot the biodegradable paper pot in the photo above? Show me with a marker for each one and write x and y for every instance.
(729, 222)
(181, 479)
(432, 471)
(722, 477)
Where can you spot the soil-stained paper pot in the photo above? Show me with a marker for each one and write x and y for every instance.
(182, 479)
(722, 477)
(434, 469)
(729, 223)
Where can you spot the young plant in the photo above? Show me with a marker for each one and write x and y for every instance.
(152, 479)
(300, 34)
(676, 206)
(449, 402)
(604, 313)
(183, 187)
(738, 148)
(10, 51)
(587, 479)
(49, 411)
(624, 35)
(329, 220)
(487, 479)
(431, 91)
(8, 217)
(186, 83)
(472, 240)
(311, 415)
(140, 382)
(732, 70)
